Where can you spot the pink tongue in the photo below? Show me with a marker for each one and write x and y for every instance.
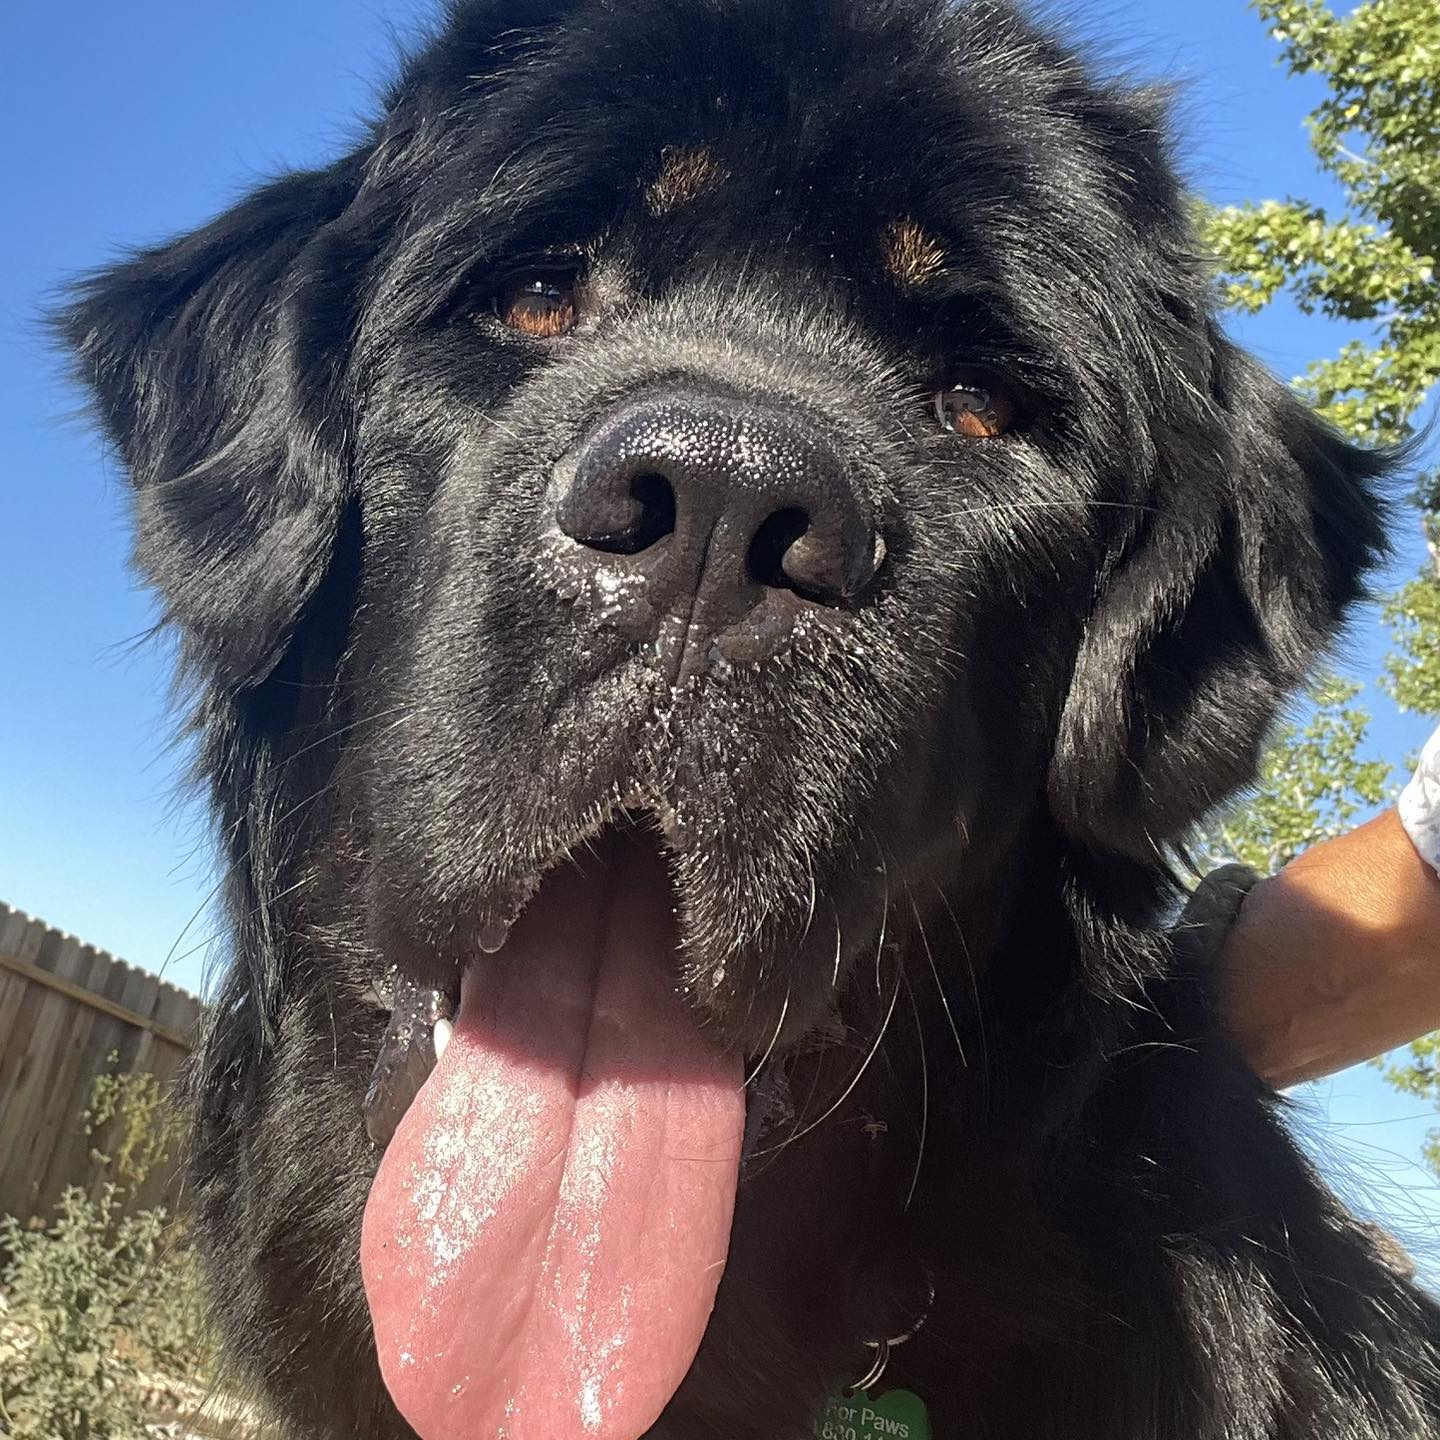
(544, 1238)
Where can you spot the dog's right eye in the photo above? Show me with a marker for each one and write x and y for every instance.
(978, 404)
(541, 305)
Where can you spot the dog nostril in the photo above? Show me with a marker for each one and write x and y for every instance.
(812, 559)
(778, 556)
(633, 520)
(655, 496)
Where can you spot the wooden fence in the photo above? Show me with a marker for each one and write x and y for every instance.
(66, 1009)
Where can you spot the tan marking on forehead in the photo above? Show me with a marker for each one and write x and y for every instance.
(685, 175)
(911, 256)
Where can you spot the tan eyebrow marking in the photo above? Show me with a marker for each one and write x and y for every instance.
(685, 175)
(911, 256)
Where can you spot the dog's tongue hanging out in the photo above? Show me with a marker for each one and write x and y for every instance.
(543, 1241)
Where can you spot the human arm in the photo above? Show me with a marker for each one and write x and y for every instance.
(1337, 957)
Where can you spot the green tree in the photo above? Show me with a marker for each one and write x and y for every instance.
(1314, 782)
(1377, 133)
(1412, 671)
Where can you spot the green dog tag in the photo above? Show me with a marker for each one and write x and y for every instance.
(895, 1415)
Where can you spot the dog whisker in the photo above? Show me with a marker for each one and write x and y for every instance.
(770, 1048)
(935, 973)
(252, 913)
(979, 1008)
(810, 907)
(924, 1090)
(884, 916)
(854, 1079)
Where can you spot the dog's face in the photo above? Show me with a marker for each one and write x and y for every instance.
(794, 432)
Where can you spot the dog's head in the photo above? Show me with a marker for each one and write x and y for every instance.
(800, 429)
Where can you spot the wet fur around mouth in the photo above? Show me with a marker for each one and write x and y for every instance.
(921, 852)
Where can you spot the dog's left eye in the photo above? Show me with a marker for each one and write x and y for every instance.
(978, 404)
(543, 306)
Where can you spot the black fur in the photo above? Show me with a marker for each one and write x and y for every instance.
(968, 788)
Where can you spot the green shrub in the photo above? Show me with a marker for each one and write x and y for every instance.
(97, 1301)
(74, 1292)
(146, 1126)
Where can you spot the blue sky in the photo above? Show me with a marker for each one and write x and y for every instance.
(131, 122)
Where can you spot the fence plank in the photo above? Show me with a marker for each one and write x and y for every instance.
(43, 1063)
(65, 1009)
(60, 1123)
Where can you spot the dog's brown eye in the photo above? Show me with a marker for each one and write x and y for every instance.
(977, 404)
(540, 305)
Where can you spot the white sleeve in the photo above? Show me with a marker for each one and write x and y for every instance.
(1420, 803)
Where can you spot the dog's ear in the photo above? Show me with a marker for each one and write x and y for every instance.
(216, 366)
(217, 363)
(1253, 544)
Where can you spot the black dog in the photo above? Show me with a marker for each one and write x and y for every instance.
(780, 452)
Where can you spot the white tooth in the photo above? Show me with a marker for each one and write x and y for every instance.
(493, 935)
(443, 1031)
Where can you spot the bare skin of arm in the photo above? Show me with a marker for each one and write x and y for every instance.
(1336, 958)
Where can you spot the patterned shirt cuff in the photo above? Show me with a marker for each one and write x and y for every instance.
(1420, 803)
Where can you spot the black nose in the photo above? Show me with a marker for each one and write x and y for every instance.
(720, 505)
